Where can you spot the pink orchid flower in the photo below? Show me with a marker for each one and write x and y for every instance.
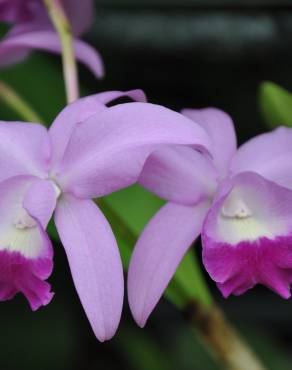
(237, 201)
(89, 151)
(32, 29)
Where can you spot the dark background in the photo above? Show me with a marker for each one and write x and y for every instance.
(183, 53)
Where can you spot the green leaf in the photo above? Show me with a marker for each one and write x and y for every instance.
(275, 104)
(189, 277)
(39, 82)
(51, 229)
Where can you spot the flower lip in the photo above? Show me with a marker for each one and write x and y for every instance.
(236, 270)
(245, 210)
(240, 252)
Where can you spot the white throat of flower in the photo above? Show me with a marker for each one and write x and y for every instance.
(24, 221)
(20, 233)
(239, 221)
(235, 207)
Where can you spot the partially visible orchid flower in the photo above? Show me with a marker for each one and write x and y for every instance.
(32, 29)
(238, 201)
(89, 151)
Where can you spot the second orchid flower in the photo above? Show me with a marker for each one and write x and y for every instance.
(238, 201)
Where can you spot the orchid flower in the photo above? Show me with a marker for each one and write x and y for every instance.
(32, 29)
(238, 201)
(89, 151)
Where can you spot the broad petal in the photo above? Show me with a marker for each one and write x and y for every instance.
(269, 155)
(26, 255)
(95, 262)
(40, 200)
(11, 11)
(158, 253)
(179, 174)
(79, 111)
(12, 55)
(15, 47)
(219, 126)
(80, 15)
(24, 149)
(107, 152)
(15, 54)
(247, 237)
(24, 12)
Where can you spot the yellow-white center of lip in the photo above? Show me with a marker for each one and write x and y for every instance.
(24, 221)
(238, 221)
(235, 207)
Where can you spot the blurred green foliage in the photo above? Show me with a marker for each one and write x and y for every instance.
(275, 104)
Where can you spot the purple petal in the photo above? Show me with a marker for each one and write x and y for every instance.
(80, 14)
(269, 155)
(22, 11)
(40, 201)
(158, 253)
(79, 111)
(179, 174)
(15, 47)
(95, 262)
(25, 249)
(24, 149)
(220, 127)
(247, 237)
(12, 55)
(19, 274)
(107, 152)
(29, 12)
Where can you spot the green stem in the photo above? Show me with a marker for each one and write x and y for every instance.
(62, 26)
(221, 339)
(18, 104)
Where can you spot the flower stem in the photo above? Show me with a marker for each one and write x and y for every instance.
(18, 104)
(221, 339)
(62, 26)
